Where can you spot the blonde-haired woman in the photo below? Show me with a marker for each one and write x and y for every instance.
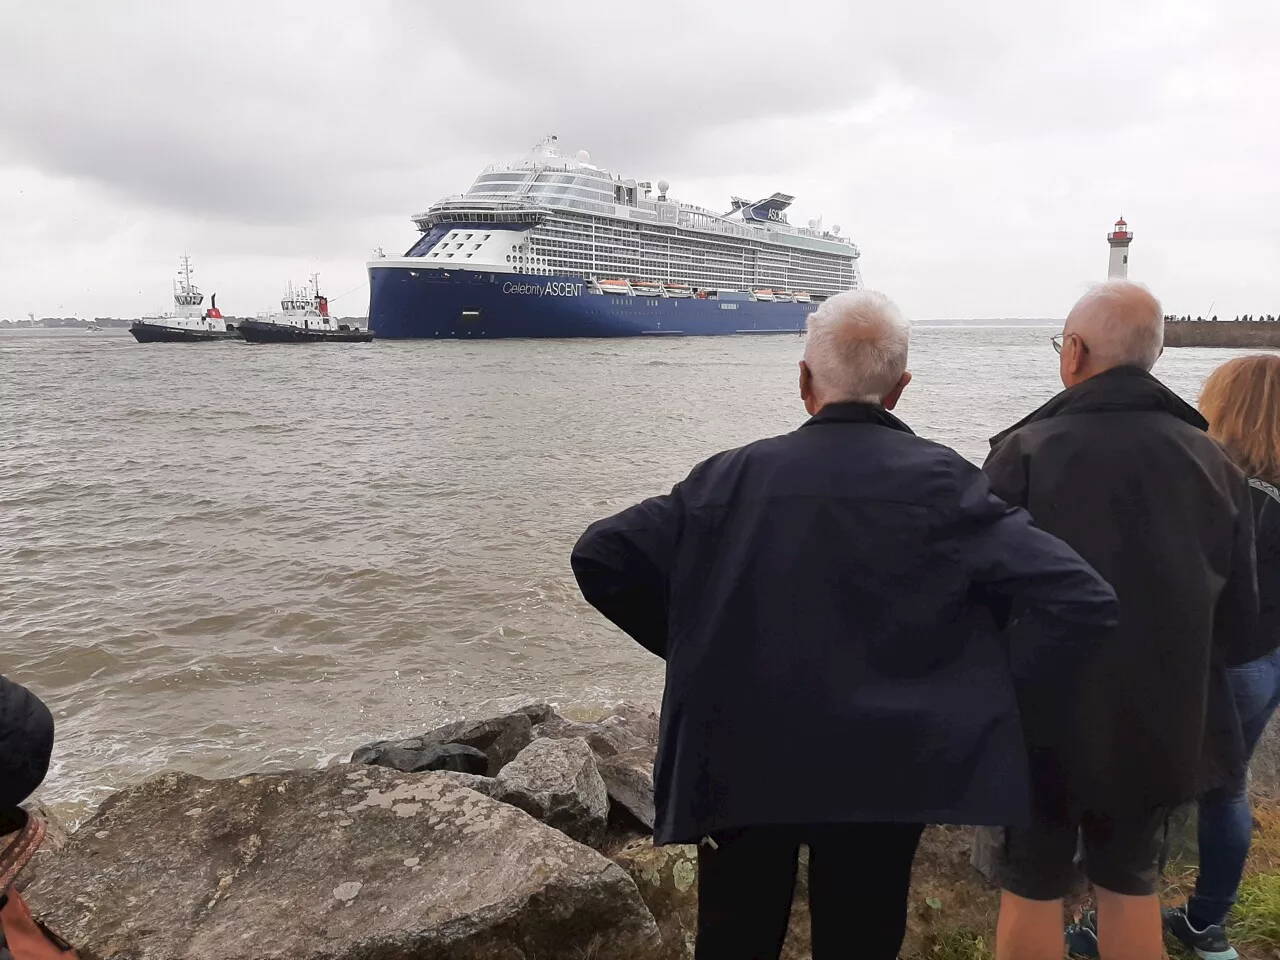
(1241, 401)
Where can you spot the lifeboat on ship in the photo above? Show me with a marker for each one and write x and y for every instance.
(646, 288)
(764, 295)
(783, 296)
(802, 296)
(617, 287)
(680, 290)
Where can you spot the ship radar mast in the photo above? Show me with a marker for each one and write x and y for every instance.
(186, 296)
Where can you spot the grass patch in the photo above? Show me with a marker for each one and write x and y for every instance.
(956, 945)
(1256, 920)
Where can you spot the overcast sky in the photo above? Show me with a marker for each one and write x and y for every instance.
(977, 152)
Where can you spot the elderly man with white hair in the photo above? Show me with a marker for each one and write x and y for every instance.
(830, 605)
(1121, 468)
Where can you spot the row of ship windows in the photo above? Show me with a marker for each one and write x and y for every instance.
(666, 263)
(689, 242)
(684, 253)
(577, 179)
(735, 278)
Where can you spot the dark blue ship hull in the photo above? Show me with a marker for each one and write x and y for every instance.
(462, 304)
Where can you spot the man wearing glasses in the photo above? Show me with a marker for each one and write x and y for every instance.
(1121, 468)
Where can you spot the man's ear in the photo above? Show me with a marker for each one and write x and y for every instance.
(891, 399)
(806, 389)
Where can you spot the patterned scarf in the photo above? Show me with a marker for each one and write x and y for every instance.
(20, 847)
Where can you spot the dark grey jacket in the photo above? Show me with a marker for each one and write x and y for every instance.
(1122, 469)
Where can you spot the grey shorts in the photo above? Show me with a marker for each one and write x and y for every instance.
(1119, 854)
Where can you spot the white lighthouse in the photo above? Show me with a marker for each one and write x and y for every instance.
(1120, 237)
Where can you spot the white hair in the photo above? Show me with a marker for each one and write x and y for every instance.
(1121, 323)
(857, 347)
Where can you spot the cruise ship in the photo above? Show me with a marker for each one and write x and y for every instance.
(554, 246)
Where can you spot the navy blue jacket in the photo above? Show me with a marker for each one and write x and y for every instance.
(830, 603)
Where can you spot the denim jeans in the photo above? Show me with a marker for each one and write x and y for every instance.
(1225, 819)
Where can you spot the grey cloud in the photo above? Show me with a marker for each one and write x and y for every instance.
(275, 129)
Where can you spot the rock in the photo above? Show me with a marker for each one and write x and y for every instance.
(348, 863)
(608, 737)
(469, 780)
(497, 739)
(537, 712)
(628, 778)
(644, 722)
(988, 842)
(557, 782)
(667, 878)
(55, 838)
(501, 738)
(420, 755)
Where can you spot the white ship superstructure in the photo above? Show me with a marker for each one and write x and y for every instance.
(583, 222)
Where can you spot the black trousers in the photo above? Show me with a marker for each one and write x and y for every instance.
(859, 875)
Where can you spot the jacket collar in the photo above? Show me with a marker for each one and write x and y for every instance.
(857, 413)
(1122, 389)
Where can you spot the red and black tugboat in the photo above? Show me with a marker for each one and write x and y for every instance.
(186, 324)
(303, 318)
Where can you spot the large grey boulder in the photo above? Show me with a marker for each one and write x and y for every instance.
(628, 727)
(557, 782)
(502, 738)
(628, 779)
(495, 741)
(418, 755)
(55, 838)
(349, 863)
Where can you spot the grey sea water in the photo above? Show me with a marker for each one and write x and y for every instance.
(218, 557)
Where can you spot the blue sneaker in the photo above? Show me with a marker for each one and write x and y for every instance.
(1082, 937)
(1211, 943)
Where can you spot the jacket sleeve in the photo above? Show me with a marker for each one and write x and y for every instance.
(1006, 471)
(623, 567)
(1236, 631)
(1053, 602)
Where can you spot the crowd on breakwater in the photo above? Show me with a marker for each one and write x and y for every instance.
(864, 635)
(1245, 318)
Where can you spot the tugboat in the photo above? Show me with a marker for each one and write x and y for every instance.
(303, 318)
(186, 324)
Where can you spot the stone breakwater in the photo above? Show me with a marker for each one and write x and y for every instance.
(523, 836)
(1225, 333)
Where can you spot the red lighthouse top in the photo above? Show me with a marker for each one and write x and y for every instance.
(1120, 233)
